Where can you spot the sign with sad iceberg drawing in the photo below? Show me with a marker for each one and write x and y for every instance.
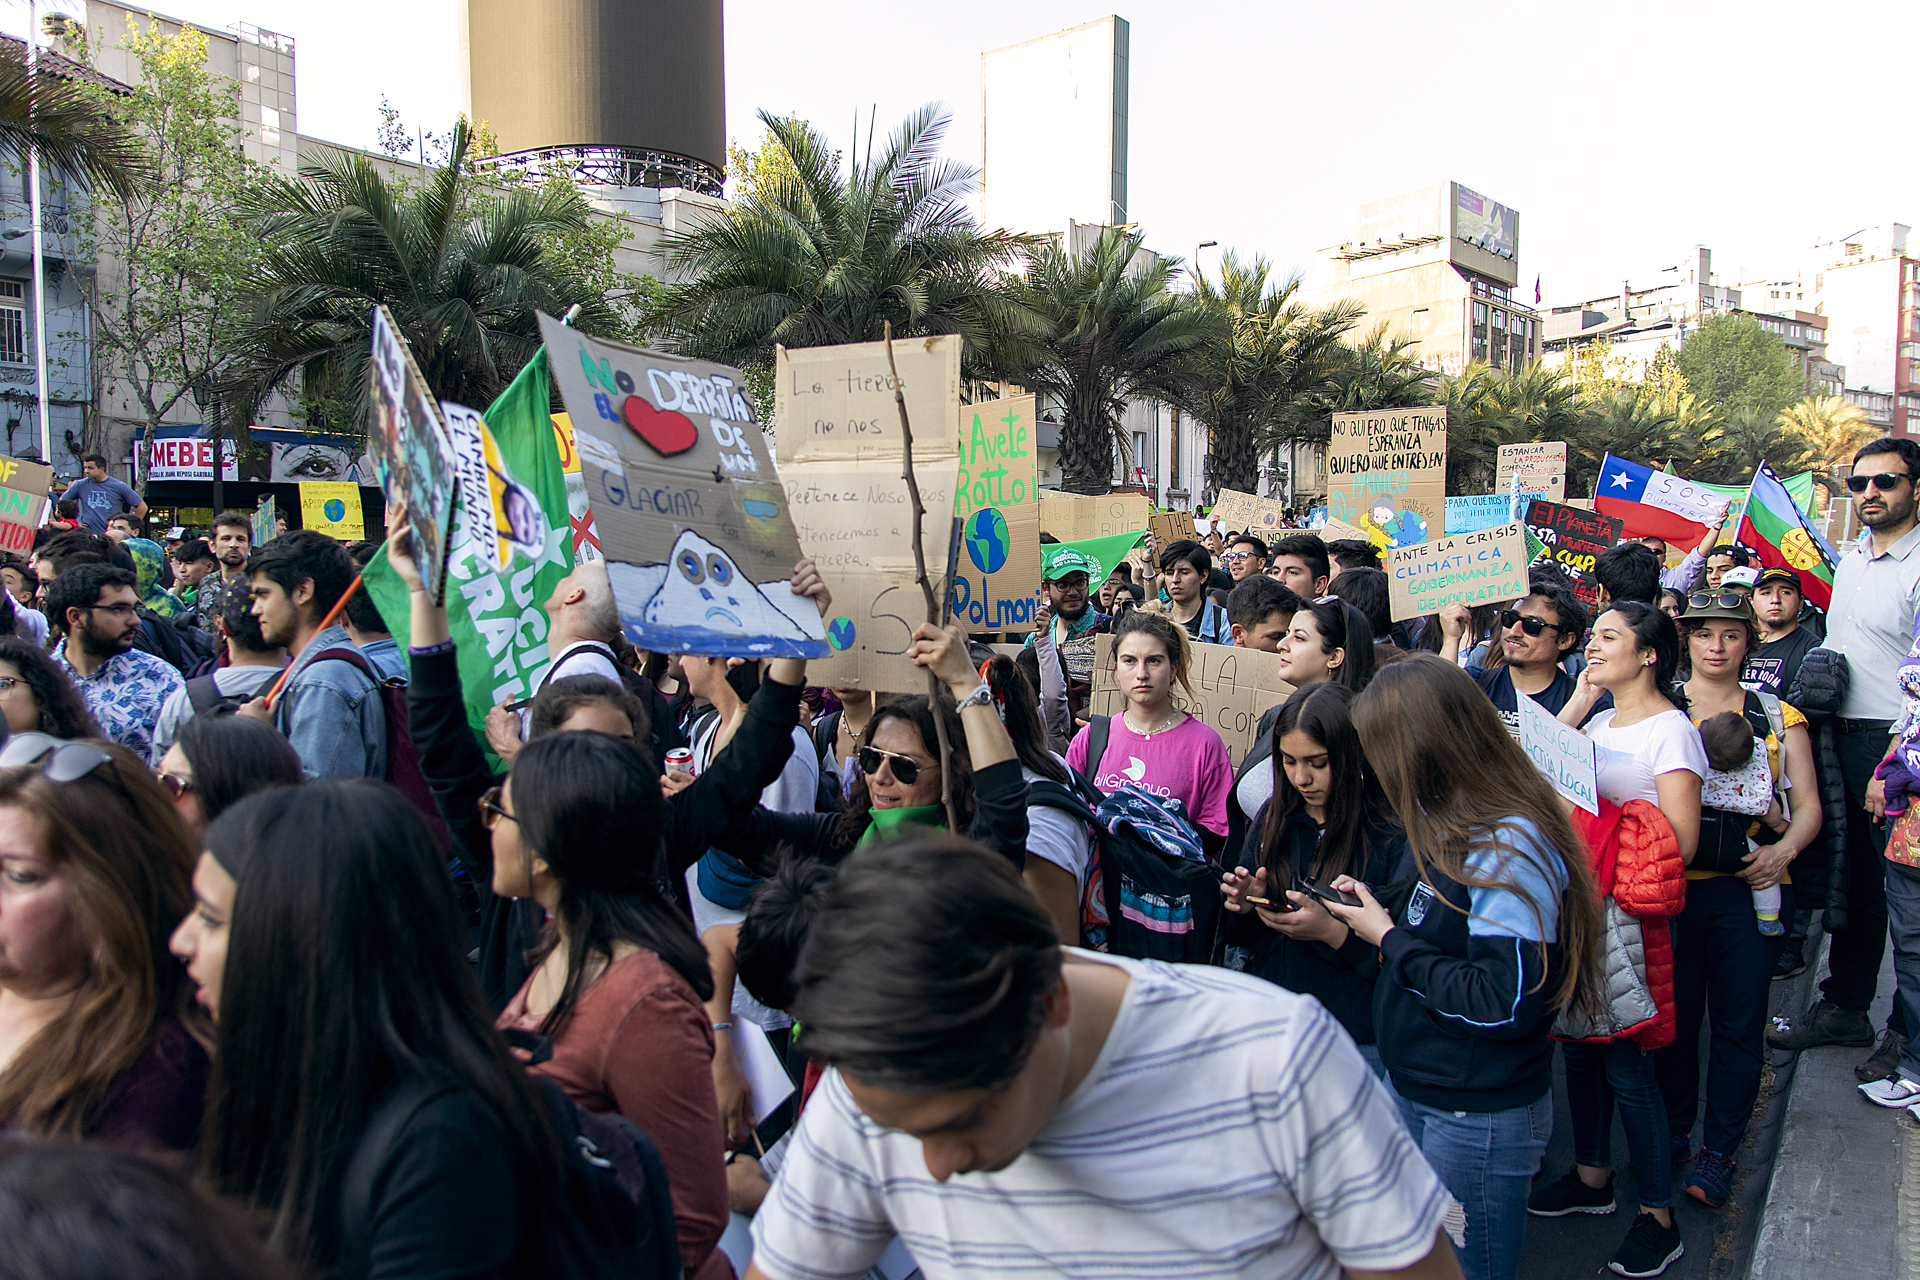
(700, 549)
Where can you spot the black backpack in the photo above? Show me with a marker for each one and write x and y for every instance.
(176, 642)
(1139, 902)
(611, 1216)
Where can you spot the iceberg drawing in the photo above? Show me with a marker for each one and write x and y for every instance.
(698, 602)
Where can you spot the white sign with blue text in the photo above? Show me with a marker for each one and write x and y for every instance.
(1561, 752)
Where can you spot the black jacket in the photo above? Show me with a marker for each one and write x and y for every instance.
(1341, 978)
(720, 806)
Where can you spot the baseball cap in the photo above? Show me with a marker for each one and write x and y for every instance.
(1057, 564)
(1780, 573)
(1745, 576)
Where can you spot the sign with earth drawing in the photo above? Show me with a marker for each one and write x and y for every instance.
(995, 497)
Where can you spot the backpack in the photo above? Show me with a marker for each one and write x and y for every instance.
(611, 1215)
(403, 758)
(1151, 892)
(176, 642)
(204, 695)
(827, 796)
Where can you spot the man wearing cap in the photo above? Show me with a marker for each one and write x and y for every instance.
(1777, 601)
(1067, 619)
(1724, 559)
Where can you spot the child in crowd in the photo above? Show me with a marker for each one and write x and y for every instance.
(1740, 781)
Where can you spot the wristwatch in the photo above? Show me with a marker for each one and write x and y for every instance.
(982, 696)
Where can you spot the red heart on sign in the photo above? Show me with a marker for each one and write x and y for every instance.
(665, 430)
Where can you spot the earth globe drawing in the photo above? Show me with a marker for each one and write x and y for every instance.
(335, 510)
(987, 539)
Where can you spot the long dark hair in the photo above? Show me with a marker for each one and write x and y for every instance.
(1020, 711)
(346, 969)
(1458, 779)
(63, 713)
(590, 805)
(918, 712)
(1323, 712)
(233, 757)
(1342, 626)
(1652, 630)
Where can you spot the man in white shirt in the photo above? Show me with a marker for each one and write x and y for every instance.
(582, 624)
(1006, 1106)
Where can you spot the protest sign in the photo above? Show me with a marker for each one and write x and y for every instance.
(1541, 466)
(699, 547)
(840, 454)
(1574, 540)
(1561, 752)
(1337, 531)
(1169, 527)
(23, 502)
(498, 515)
(997, 501)
(584, 537)
(1075, 517)
(1232, 688)
(1237, 512)
(410, 451)
(1463, 568)
(333, 508)
(1387, 470)
(266, 518)
(1466, 513)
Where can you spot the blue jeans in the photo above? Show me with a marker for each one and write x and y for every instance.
(1487, 1160)
(1903, 917)
(1600, 1075)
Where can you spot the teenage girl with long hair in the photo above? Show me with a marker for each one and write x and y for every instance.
(1494, 930)
(1329, 640)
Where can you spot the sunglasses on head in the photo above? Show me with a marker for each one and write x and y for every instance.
(1708, 599)
(1529, 623)
(1885, 482)
(906, 770)
(65, 761)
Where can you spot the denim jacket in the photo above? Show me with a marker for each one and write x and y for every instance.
(333, 715)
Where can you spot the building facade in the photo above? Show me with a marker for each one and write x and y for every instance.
(1867, 285)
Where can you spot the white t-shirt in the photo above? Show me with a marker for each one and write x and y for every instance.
(794, 791)
(1626, 761)
(1058, 836)
(1227, 1128)
(583, 659)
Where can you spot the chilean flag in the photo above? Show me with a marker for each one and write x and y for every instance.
(1654, 504)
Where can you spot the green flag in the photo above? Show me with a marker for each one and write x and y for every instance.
(1097, 557)
(497, 616)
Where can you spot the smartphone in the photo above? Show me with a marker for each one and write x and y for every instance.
(1271, 904)
(1307, 884)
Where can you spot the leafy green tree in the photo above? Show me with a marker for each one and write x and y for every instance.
(1744, 439)
(76, 137)
(1633, 422)
(1273, 350)
(822, 255)
(1108, 332)
(766, 169)
(1732, 363)
(464, 263)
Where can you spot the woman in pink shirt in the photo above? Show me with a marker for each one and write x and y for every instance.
(1153, 744)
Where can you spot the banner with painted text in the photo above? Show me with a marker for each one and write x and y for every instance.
(1463, 568)
(332, 507)
(23, 502)
(1574, 540)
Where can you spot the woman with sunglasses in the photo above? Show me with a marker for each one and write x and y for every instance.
(37, 697)
(363, 1107)
(98, 1036)
(217, 761)
(1722, 963)
(1329, 640)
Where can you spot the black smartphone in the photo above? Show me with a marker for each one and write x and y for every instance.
(1307, 884)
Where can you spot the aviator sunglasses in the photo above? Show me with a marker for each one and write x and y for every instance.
(1725, 599)
(906, 770)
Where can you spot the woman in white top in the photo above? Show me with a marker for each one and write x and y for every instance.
(1059, 845)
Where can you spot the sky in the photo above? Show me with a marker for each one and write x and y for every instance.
(1622, 133)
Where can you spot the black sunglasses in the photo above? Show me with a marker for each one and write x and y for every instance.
(1885, 482)
(906, 770)
(1725, 599)
(490, 806)
(1530, 624)
(65, 761)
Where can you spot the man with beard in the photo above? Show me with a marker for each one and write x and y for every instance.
(232, 540)
(1068, 619)
(330, 708)
(1533, 638)
(1870, 623)
(125, 689)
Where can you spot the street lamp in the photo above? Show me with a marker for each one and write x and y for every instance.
(1204, 244)
(207, 396)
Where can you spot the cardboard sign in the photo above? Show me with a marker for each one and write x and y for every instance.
(1232, 689)
(584, 537)
(1561, 752)
(1541, 467)
(997, 501)
(1464, 568)
(1237, 512)
(266, 518)
(1075, 517)
(1574, 540)
(698, 543)
(1169, 527)
(333, 508)
(1387, 470)
(840, 459)
(23, 502)
(1466, 513)
(411, 453)
(1335, 531)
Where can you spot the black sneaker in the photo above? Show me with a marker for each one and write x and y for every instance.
(1793, 960)
(1885, 1060)
(1826, 1023)
(1570, 1195)
(1649, 1248)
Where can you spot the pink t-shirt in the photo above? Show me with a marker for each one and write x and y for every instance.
(1188, 763)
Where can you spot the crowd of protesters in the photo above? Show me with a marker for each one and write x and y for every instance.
(300, 975)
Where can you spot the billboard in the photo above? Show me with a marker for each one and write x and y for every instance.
(1491, 228)
(1053, 130)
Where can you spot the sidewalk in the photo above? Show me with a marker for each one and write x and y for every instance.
(1845, 1193)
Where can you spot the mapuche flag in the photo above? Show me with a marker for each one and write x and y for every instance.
(1777, 530)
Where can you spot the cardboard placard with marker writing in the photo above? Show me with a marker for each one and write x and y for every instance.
(1574, 540)
(1075, 517)
(1387, 471)
(1169, 527)
(1232, 689)
(1237, 512)
(23, 502)
(996, 578)
(1541, 466)
(1463, 568)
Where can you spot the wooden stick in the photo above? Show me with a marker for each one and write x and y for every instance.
(935, 614)
(273, 695)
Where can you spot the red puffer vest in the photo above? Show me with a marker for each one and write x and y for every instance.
(1636, 858)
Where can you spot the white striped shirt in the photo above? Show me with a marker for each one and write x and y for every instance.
(1227, 1128)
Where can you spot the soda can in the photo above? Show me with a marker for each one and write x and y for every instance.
(680, 759)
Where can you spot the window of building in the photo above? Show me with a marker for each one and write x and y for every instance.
(13, 322)
(1479, 313)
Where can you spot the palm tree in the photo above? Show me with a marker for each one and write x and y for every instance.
(814, 257)
(1488, 407)
(1108, 332)
(1634, 422)
(74, 132)
(1747, 437)
(1378, 373)
(463, 267)
(1274, 349)
(1833, 427)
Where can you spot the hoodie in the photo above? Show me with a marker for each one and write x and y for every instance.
(148, 562)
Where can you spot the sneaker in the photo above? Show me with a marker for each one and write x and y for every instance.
(1570, 1195)
(1825, 1024)
(1649, 1248)
(1885, 1060)
(1892, 1094)
(1680, 1147)
(1712, 1178)
(1793, 960)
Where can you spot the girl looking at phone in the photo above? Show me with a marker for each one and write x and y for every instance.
(1327, 818)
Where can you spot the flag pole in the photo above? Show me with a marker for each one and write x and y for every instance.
(273, 694)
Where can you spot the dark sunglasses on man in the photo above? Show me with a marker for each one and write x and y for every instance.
(1529, 623)
(1885, 482)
